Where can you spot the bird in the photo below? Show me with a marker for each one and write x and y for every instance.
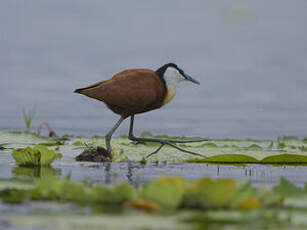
(136, 91)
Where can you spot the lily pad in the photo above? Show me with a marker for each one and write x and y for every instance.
(166, 192)
(216, 193)
(285, 159)
(116, 195)
(287, 189)
(227, 158)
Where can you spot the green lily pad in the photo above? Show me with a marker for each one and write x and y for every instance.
(216, 193)
(57, 143)
(226, 158)
(116, 195)
(37, 156)
(51, 188)
(167, 192)
(217, 151)
(78, 143)
(287, 189)
(285, 158)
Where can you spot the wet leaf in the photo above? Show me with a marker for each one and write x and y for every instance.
(57, 143)
(287, 189)
(216, 193)
(13, 196)
(166, 192)
(146, 205)
(249, 203)
(77, 143)
(51, 188)
(124, 150)
(285, 159)
(227, 158)
(115, 195)
(38, 156)
(244, 192)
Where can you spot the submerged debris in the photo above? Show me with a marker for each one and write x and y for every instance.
(98, 154)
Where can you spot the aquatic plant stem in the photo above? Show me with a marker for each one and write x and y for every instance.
(162, 141)
(28, 118)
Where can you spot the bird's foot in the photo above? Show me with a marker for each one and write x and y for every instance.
(137, 142)
(169, 142)
(174, 146)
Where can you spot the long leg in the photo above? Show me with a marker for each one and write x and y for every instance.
(110, 133)
(162, 141)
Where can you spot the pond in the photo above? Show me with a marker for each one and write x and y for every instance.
(130, 166)
(249, 57)
(138, 174)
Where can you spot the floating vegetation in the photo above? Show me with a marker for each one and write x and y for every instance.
(37, 156)
(293, 150)
(245, 159)
(162, 194)
(204, 201)
(51, 202)
(56, 143)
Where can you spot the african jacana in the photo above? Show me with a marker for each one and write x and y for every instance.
(135, 91)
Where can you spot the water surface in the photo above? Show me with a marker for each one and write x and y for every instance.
(250, 57)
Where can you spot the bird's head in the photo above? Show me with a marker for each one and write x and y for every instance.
(171, 74)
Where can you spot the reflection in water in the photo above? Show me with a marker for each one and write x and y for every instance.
(130, 172)
(138, 174)
(133, 172)
(107, 172)
(36, 171)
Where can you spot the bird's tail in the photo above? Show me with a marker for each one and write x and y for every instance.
(88, 87)
(79, 90)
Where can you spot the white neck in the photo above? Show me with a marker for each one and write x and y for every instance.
(172, 78)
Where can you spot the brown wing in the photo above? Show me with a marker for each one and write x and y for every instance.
(129, 92)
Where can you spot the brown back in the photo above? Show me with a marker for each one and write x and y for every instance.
(129, 92)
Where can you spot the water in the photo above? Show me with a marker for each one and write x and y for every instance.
(250, 57)
(138, 174)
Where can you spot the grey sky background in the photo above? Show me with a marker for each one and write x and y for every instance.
(250, 57)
